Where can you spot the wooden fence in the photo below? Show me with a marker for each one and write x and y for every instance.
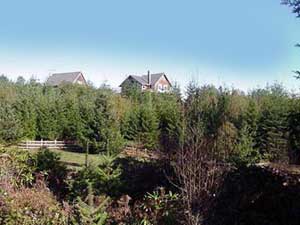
(48, 144)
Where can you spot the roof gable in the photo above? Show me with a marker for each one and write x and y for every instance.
(59, 78)
(144, 78)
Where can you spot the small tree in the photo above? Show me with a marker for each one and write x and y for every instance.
(148, 126)
(90, 213)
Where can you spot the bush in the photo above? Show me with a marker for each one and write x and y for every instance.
(30, 206)
(158, 207)
(49, 163)
(16, 167)
(21, 200)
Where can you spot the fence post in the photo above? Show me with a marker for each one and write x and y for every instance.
(55, 143)
(26, 144)
(87, 154)
(42, 143)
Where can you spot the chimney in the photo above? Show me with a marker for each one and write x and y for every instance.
(149, 78)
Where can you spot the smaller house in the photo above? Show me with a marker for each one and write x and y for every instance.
(57, 79)
(158, 82)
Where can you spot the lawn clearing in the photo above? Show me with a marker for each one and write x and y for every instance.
(75, 160)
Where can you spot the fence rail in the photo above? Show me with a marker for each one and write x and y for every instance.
(48, 144)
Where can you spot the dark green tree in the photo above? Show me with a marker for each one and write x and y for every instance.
(10, 129)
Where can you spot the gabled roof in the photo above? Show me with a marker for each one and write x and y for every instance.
(59, 78)
(143, 80)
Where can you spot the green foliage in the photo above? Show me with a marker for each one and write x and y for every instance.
(31, 206)
(141, 123)
(130, 124)
(271, 135)
(69, 112)
(105, 119)
(17, 167)
(294, 132)
(245, 153)
(89, 213)
(104, 178)
(148, 126)
(24, 199)
(158, 207)
(170, 117)
(55, 171)
(10, 129)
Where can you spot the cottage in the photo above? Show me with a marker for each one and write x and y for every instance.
(57, 79)
(154, 82)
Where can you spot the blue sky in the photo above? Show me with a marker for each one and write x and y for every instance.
(241, 43)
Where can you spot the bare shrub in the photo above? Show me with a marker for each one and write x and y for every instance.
(199, 174)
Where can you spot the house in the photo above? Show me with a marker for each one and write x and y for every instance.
(57, 79)
(158, 82)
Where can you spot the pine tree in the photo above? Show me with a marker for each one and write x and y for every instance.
(271, 135)
(148, 126)
(106, 129)
(89, 213)
(294, 133)
(10, 130)
(251, 117)
(245, 153)
(170, 122)
(130, 124)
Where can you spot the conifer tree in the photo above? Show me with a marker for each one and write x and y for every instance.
(170, 122)
(271, 134)
(294, 133)
(89, 213)
(148, 124)
(10, 130)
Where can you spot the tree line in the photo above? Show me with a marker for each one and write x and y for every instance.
(246, 127)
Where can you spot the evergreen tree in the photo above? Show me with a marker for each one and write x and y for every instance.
(245, 153)
(170, 122)
(148, 124)
(10, 130)
(294, 133)
(130, 124)
(271, 133)
(89, 213)
(106, 129)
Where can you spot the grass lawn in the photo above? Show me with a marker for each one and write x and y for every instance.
(76, 160)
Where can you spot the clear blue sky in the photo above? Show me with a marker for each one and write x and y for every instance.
(240, 43)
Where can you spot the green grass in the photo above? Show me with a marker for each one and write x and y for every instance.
(75, 160)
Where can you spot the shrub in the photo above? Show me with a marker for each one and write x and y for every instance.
(21, 200)
(16, 167)
(199, 177)
(158, 207)
(30, 206)
(55, 171)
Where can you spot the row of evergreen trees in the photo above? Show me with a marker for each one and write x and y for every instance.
(98, 116)
(262, 124)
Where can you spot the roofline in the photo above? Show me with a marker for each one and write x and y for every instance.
(128, 78)
(124, 80)
(80, 73)
(163, 74)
